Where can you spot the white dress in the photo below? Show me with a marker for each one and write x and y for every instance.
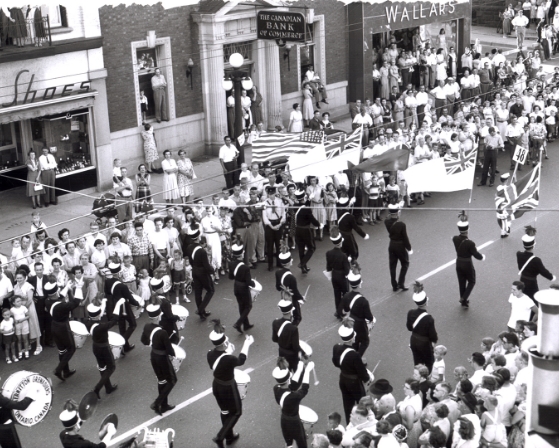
(296, 120)
(170, 185)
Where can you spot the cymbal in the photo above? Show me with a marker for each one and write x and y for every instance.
(88, 405)
(111, 418)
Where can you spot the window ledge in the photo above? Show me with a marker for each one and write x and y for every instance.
(61, 30)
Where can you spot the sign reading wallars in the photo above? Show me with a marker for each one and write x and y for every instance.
(285, 25)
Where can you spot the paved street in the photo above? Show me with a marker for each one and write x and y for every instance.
(196, 418)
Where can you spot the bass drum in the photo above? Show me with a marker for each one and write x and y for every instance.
(24, 384)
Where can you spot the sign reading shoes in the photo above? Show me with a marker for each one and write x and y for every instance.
(285, 25)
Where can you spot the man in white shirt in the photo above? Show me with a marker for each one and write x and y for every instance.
(315, 83)
(160, 241)
(432, 67)
(521, 305)
(511, 344)
(422, 99)
(477, 361)
(524, 375)
(422, 152)
(358, 421)
(94, 235)
(228, 158)
(498, 58)
(452, 93)
(377, 149)
(341, 180)
(256, 180)
(514, 134)
(48, 165)
(440, 98)
(226, 200)
(528, 100)
(364, 119)
(520, 22)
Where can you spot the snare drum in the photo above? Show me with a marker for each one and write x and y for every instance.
(80, 333)
(116, 341)
(137, 310)
(182, 312)
(306, 349)
(242, 379)
(308, 418)
(179, 357)
(29, 384)
(256, 290)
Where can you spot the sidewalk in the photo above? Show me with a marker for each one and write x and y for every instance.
(15, 207)
(489, 39)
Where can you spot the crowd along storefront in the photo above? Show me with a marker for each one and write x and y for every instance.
(441, 23)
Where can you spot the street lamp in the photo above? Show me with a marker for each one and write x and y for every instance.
(239, 82)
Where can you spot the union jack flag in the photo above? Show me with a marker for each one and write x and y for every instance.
(464, 161)
(516, 199)
(344, 142)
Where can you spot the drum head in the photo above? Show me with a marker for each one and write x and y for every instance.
(78, 328)
(307, 414)
(138, 299)
(88, 405)
(306, 348)
(241, 377)
(179, 310)
(115, 339)
(111, 418)
(257, 285)
(24, 384)
(179, 352)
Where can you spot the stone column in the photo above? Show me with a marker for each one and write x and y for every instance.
(214, 96)
(273, 100)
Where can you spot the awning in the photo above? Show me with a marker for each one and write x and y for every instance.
(48, 107)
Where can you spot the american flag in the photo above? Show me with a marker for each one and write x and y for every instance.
(276, 146)
(463, 162)
(521, 197)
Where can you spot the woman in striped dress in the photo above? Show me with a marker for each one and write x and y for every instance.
(143, 191)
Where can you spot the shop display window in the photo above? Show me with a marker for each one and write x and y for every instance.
(432, 33)
(11, 148)
(68, 138)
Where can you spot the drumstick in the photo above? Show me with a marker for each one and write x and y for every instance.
(376, 366)
(182, 337)
(316, 382)
(306, 292)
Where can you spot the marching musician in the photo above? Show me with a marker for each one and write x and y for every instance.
(122, 300)
(62, 334)
(289, 392)
(286, 334)
(202, 273)
(531, 266)
(286, 282)
(161, 349)
(240, 272)
(72, 424)
(273, 217)
(101, 349)
(359, 311)
(399, 248)
(353, 373)
(225, 390)
(465, 250)
(347, 224)
(338, 266)
(304, 233)
(502, 199)
(168, 320)
(8, 431)
(422, 325)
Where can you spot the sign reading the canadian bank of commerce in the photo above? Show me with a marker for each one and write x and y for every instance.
(394, 14)
(285, 25)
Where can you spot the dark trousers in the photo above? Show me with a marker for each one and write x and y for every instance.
(48, 179)
(361, 337)
(530, 287)
(199, 283)
(304, 238)
(166, 378)
(340, 285)
(293, 430)
(127, 332)
(229, 174)
(420, 114)
(466, 278)
(489, 161)
(66, 345)
(229, 401)
(352, 391)
(244, 301)
(9, 437)
(397, 252)
(45, 320)
(273, 239)
(422, 351)
(106, 365)
(297, 315)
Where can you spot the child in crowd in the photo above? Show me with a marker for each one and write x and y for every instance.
(117, 172)
(16, 258)
(162, 273)
(21, 319)
(335, 422)
(438, 371)
(245, 173)
(143, 106)
(143, 286)
(7, 329)
(128, 274)
(178, 275)
(392, 191)
(404, 196)
(375, 200)
(36, 225)
(494, 432)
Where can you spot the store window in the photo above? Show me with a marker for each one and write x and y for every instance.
(57, 15)
(11, 150)
(433, 32)
(67, 136)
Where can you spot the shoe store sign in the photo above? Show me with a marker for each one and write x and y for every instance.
(285, 25)
(25, 93)
(392, 15)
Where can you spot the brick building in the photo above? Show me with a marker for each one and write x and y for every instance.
(207, 33)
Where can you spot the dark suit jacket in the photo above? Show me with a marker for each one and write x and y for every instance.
(315, 124)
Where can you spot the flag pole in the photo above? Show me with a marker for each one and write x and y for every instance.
(474, 176)
(515, 169)
(360, 160)
(540, 168)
